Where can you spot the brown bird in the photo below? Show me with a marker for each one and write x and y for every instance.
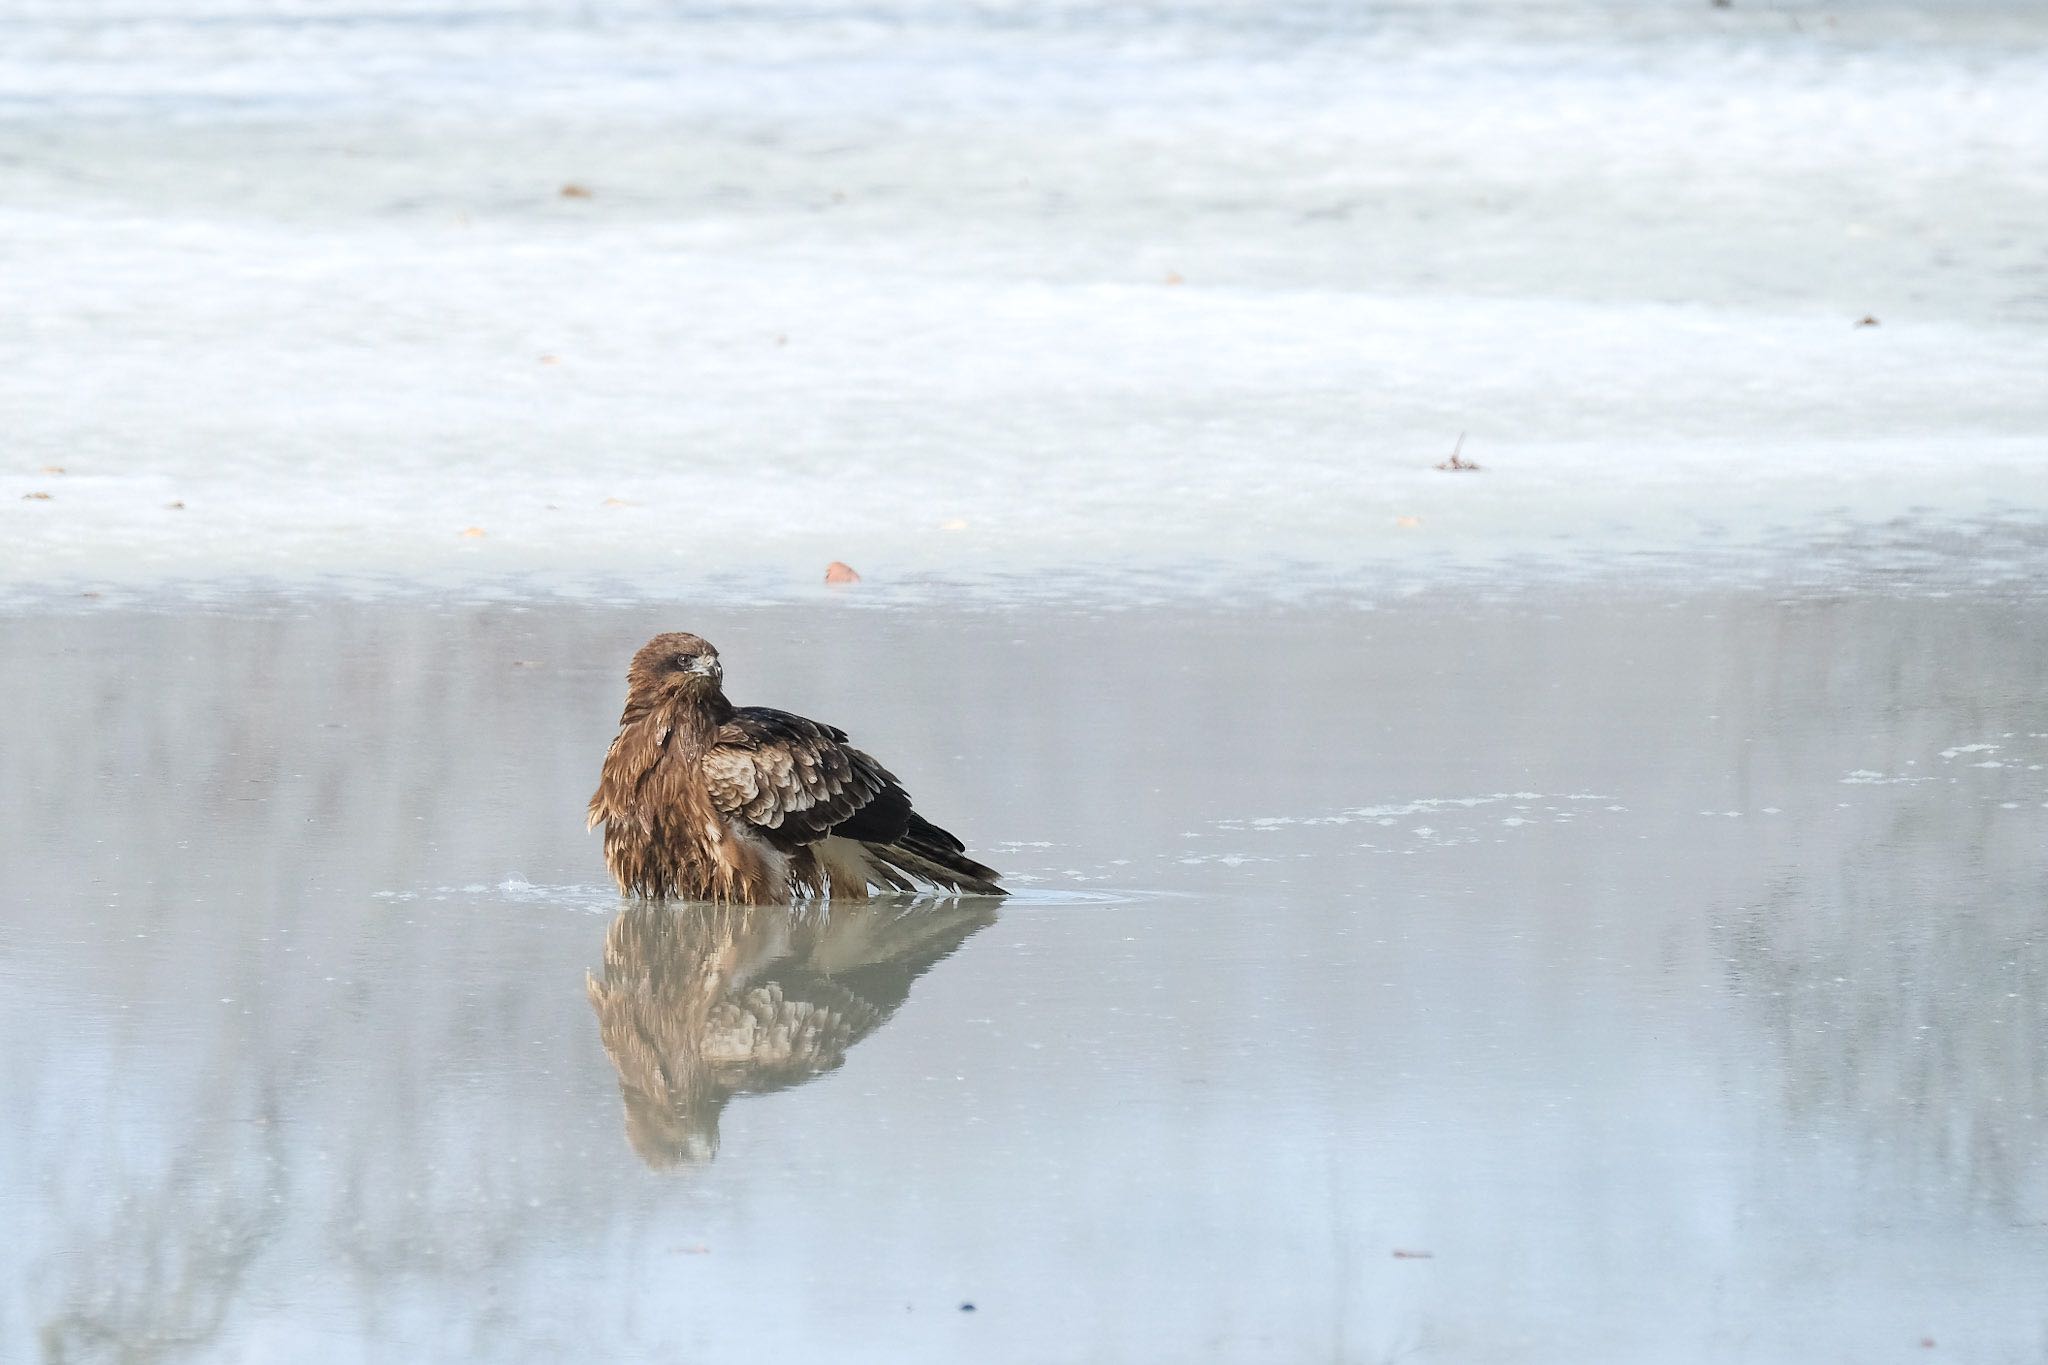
(702, 800)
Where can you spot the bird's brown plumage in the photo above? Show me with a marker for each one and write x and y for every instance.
(702, 800)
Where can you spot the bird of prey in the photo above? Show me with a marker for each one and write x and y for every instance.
(702, 800)
(699, 1003)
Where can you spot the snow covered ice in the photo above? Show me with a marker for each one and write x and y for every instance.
(1207, 285)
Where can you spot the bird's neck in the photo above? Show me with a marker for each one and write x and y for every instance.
(687, 718)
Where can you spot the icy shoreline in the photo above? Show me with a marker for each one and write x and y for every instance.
(456, 296)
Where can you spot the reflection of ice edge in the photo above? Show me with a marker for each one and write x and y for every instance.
(1996, 760)
(1530, 808)
(1390, 814)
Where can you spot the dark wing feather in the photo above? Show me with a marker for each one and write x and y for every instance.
(796, 781)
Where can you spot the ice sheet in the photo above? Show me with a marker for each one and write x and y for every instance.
(1200, 293)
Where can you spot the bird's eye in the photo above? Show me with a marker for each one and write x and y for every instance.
(683, 661)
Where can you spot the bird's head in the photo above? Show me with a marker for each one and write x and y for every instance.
(667, 1133)
(677, 662)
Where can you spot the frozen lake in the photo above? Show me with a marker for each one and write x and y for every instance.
(1616, 980)
(1585, 909)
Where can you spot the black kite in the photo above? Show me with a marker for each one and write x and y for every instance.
(702, 800)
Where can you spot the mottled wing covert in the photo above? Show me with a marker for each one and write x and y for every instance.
(796, 780)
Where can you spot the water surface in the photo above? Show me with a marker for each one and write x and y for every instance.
(1571, 978)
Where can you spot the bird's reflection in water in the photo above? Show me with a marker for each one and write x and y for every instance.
(698, 1003)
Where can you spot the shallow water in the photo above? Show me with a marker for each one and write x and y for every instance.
(1577, 978)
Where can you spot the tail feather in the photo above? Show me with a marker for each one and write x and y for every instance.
(928, 853)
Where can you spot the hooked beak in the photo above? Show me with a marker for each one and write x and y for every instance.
(708, 666)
